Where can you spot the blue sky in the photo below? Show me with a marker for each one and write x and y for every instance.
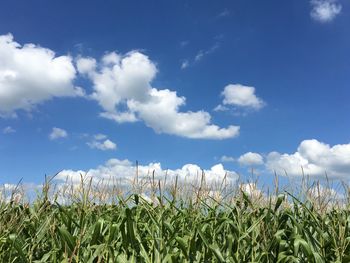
(182, 82)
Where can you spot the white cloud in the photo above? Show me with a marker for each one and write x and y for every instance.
(315, 158)
(120, 117)
(100, 136)
(161, 113)
(199, 56)
(86, 65)
(224, 13)
(102, 143)
(17, 193)
(184, 43)
(221, 108)
(202, 53)
(8, 188)
(185, 64)
(250, 159)
(115, 83)
(123, 172)
(325, 10)
(57, 133)
(122, 86)
(227, 159)
(241, 96)
(8, 130)
(31, 74)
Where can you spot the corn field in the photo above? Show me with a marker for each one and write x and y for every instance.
(174, 229)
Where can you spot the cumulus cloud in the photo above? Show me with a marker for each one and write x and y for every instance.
(250, 159)
(101, 142)
(31, 74)
(325, 10)
(117, 81)
(122, 86)
(315, 159)
(57, 133)
(161, 113)
(240, 96)
(121, 83)
(8, 130)
(123, 172)
(103, 145)
(86, 65)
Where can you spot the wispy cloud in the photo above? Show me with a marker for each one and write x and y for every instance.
(184, 43)
(8, 130)
(221, 108)
(201, 54)
(224, 13)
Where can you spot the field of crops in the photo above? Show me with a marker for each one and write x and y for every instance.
(174, 229)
